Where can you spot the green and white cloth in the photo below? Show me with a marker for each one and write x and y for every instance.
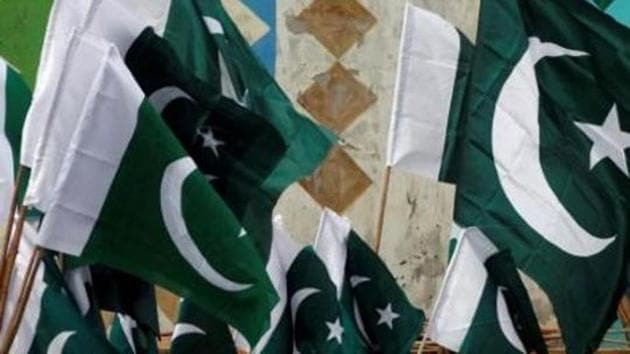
(541, 166)
(309, 318)
(130, 198)
(52, 322)
(128, 338)
(375, 304)
(433, 70)
(476, 306)
(15, 98)
(197, 332)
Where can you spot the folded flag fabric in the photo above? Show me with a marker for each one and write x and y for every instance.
(482, 306)
(377, 306)
(130, 198)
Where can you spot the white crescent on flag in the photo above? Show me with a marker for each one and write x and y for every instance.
(171, 205)
(516, 151)
(59, 342)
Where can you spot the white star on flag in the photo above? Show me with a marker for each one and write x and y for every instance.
(609, 141)
(209, 140)
(336, 330)
(387, 316)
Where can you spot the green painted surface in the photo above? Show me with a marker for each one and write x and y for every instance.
(21, 33)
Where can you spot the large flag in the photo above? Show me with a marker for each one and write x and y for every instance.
(482, 306)
(129, 197)
(52, 322)
(15, 98)
(378, 307)
(541, 166)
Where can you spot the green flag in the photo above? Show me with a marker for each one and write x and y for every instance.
(320, 323)
(377, 306)
(482, 306)
(544, 162)
(52, 321)
(132, 199)
(540, 166)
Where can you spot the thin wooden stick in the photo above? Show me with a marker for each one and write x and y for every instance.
(20, 306)
(422, 344)
(7, 270)
(381, 210)
(9, 224)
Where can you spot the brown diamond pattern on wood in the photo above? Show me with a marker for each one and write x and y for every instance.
(336, 98)
(337, 24)
(338, 182)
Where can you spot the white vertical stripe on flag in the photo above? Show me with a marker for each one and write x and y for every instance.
(427, 69)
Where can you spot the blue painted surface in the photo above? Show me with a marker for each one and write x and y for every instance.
(265, 47)
(620, 9)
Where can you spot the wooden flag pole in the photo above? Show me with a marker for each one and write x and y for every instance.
(9, 224)
(423, 342)
(20, 306)
(9, 264)
(381, 211)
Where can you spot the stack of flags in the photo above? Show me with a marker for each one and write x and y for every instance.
(156, 145)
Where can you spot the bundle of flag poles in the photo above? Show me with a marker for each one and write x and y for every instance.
(155, 146)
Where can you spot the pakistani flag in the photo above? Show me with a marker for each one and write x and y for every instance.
(128, 338)
(541, 165)
(378, 307)
(482, 306)
(129, 197)
(15, 98)
(552, 157)
(210, 45)
(52, 322)
(321, 324)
